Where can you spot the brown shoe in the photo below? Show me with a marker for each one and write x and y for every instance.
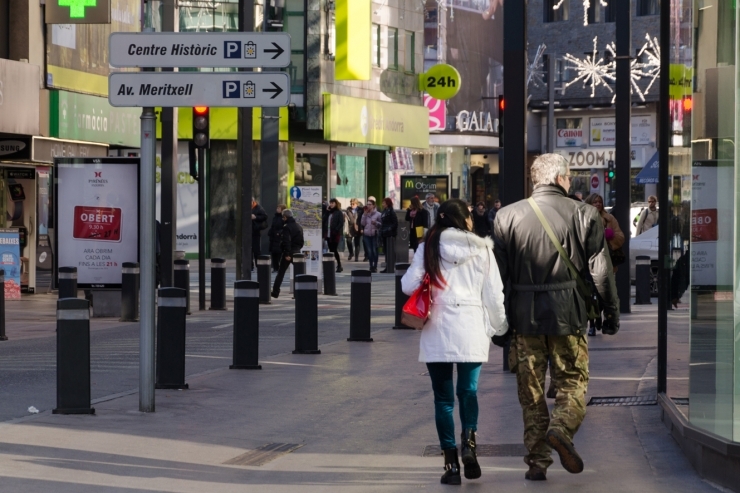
(569, 458)
(536, 474)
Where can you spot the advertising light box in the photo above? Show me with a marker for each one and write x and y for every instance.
(96, 204)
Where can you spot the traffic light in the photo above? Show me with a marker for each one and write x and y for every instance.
(201, 124)
(606, 176)
(192, 158)
(501, 106)
(610, 172)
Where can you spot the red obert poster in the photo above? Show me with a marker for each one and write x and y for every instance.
(97, 223)
(704, 225)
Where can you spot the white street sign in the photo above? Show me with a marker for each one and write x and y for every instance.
(233, 49)
(235, 89)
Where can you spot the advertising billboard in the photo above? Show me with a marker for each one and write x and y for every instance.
(97, 217)
(10, 262)
(469, 36)
(421, 185)
(305, 202)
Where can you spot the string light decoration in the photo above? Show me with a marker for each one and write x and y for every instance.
(651, 68)
(586, 6)
(591, 71)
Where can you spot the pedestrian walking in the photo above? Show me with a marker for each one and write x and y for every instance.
(388, 232)
(614, 241)
(370, 227)
(359, 210)
(432, 206)
(544, 246)
(468, 300)
(418, 219)
(275, 234)
(292, 242)
(492, 213)
(480, 220)
(352, 236)
(334, 229)
(648, 217)
(259, 223)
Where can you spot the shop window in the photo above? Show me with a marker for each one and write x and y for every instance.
(556, 10)
(294, 24)
(647, 7)
(393, 48)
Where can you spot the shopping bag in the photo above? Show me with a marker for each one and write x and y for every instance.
(416, 310)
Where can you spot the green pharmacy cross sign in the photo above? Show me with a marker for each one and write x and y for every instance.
(78, 11)
(77, 7)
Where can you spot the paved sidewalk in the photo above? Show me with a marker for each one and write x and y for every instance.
(362, 414)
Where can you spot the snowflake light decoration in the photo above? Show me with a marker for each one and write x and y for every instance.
(651, 68)
(591, 71)
(536, 69)
(636, 73)
(586, 6)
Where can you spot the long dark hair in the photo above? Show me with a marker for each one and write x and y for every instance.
(451, 214)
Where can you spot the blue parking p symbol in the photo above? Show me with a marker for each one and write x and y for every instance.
(232, 49)
(231, 89)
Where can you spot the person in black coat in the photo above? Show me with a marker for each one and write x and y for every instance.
(417, 217)
(388, 231)
(259, 222)
(334, 219)
(480, 220)
(276, 237)
(290, 244)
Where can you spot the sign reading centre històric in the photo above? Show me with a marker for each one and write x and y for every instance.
(97, 217)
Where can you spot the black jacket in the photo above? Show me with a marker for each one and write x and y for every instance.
(260, 221)
(480, 223)
(544, 299)
(292, 237)
(335, 222)
(421, 219)
(276, 233)
(388, 223)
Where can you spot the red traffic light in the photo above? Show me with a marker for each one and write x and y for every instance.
(501, 103)
(200, 110)
(688, 103)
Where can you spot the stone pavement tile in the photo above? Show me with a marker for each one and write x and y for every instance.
(363, 413)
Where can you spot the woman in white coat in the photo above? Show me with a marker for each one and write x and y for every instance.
(467, 310)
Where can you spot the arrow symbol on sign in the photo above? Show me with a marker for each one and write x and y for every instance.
(277, 90)
(278, 51)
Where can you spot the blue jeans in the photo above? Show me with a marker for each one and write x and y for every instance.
(371, 250)
(444, 399)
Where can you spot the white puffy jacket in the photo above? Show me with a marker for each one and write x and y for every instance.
(470, 309)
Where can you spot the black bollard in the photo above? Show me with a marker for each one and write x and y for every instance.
(3, 337)
(264, 269)
(130, 282)
(299, 268)
(73, 357)
(401, 297)
(171, 309)
(246, 326)
(642, 280)
(330, 280)
(359, 306)
(181, 279)
(218, 284)
(67, 282)
(306, 315)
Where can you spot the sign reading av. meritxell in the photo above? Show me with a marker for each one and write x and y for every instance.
(78, 11)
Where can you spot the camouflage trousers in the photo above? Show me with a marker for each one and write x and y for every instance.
(569, 370)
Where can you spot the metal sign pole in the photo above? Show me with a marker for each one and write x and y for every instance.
(201, 229)
(147, 259)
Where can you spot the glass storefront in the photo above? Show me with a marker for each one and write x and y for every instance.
(703, 365)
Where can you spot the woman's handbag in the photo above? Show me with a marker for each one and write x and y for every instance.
(416, 310)
(419, 230)
(618, 256)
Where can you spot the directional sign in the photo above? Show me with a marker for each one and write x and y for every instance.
(237, 89)
(199, 49)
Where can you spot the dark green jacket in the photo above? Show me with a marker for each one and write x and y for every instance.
(543, 299)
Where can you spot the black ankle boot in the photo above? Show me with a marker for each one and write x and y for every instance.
(469, 456)
(452, 467)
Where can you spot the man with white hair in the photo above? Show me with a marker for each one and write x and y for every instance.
(545, 248)
(431, 206)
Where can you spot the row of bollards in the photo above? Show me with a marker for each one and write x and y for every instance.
(73, 324)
